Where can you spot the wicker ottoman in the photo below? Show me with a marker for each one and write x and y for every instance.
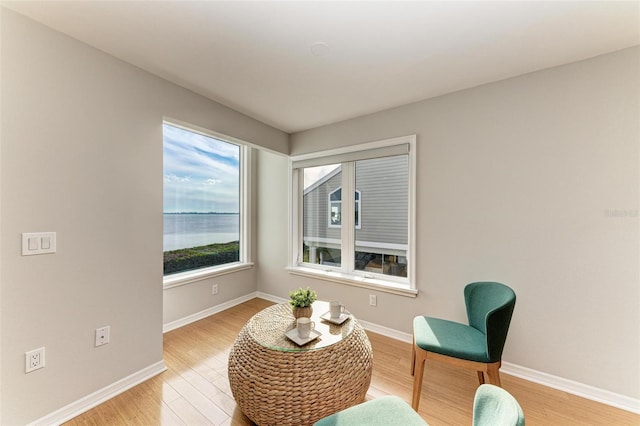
(276, 382)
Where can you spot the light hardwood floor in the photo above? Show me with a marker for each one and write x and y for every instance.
(195, 390)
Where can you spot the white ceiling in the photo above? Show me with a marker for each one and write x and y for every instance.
(256, 57)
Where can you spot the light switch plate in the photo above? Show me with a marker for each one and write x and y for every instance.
(38, 243)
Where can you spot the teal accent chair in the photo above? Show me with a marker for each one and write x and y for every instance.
(385, 411)
(477, 346)
(494, 406)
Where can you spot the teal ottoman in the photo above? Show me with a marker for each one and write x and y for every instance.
(384, 411)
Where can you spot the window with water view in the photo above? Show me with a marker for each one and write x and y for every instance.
(202, 200)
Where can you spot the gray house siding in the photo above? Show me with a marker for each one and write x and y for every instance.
(384, 195)
(316, 209)
(383, 210)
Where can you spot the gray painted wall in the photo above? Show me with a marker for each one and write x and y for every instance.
(522, 181)
(81, 144)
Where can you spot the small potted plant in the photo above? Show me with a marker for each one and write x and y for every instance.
(301, 300)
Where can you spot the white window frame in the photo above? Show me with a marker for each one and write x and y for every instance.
(330, 203)
(346, 273)
(245, 262)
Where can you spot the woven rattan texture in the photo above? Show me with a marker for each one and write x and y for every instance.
(268, 327)
(276, 387)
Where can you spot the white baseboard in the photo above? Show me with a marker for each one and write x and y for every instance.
(88, 402)
(208, 312)
(575, 388)
(386, 331)
(271, 298)
(565, 385)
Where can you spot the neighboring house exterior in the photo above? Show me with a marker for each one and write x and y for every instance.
(382, 216)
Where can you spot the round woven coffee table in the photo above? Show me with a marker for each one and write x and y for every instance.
(276, 382)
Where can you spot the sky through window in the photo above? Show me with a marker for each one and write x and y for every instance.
(201, 173)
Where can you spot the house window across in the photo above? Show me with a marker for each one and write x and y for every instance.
(335, 208)
(332, 238)
(203, 203)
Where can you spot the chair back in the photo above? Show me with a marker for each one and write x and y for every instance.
(494, 406)
(489, 310)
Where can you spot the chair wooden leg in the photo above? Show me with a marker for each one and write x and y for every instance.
(413, 357)
(481, 377)
(421, 357)
(493, 374)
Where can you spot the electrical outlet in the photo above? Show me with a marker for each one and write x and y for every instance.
(214, 289)
(102, 335)
(373, 300)
(34, 360)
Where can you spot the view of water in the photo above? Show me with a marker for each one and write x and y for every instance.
(192, 230)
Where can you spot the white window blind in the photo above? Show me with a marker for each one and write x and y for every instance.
(340, 156)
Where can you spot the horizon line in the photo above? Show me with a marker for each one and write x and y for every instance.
(200, 213)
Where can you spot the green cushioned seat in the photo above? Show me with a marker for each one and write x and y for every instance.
(385, 411)
(450, 338)
(477, 345)
(495, 406)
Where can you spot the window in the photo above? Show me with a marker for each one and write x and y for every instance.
(335, 208)
(332, 238)
(203, 202)
(322, 243)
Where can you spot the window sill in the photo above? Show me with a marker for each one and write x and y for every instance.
(353, 280)
(183, 278)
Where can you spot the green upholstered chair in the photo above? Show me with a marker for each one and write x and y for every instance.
(494, 406)
(477, 346)
(385, 411)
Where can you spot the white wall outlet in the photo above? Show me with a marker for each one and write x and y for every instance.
(214, 289)
(102, 335)
(373, 300)
(34, 360)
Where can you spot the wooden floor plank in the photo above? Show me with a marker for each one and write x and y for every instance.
(188, 413)
(195, 388)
